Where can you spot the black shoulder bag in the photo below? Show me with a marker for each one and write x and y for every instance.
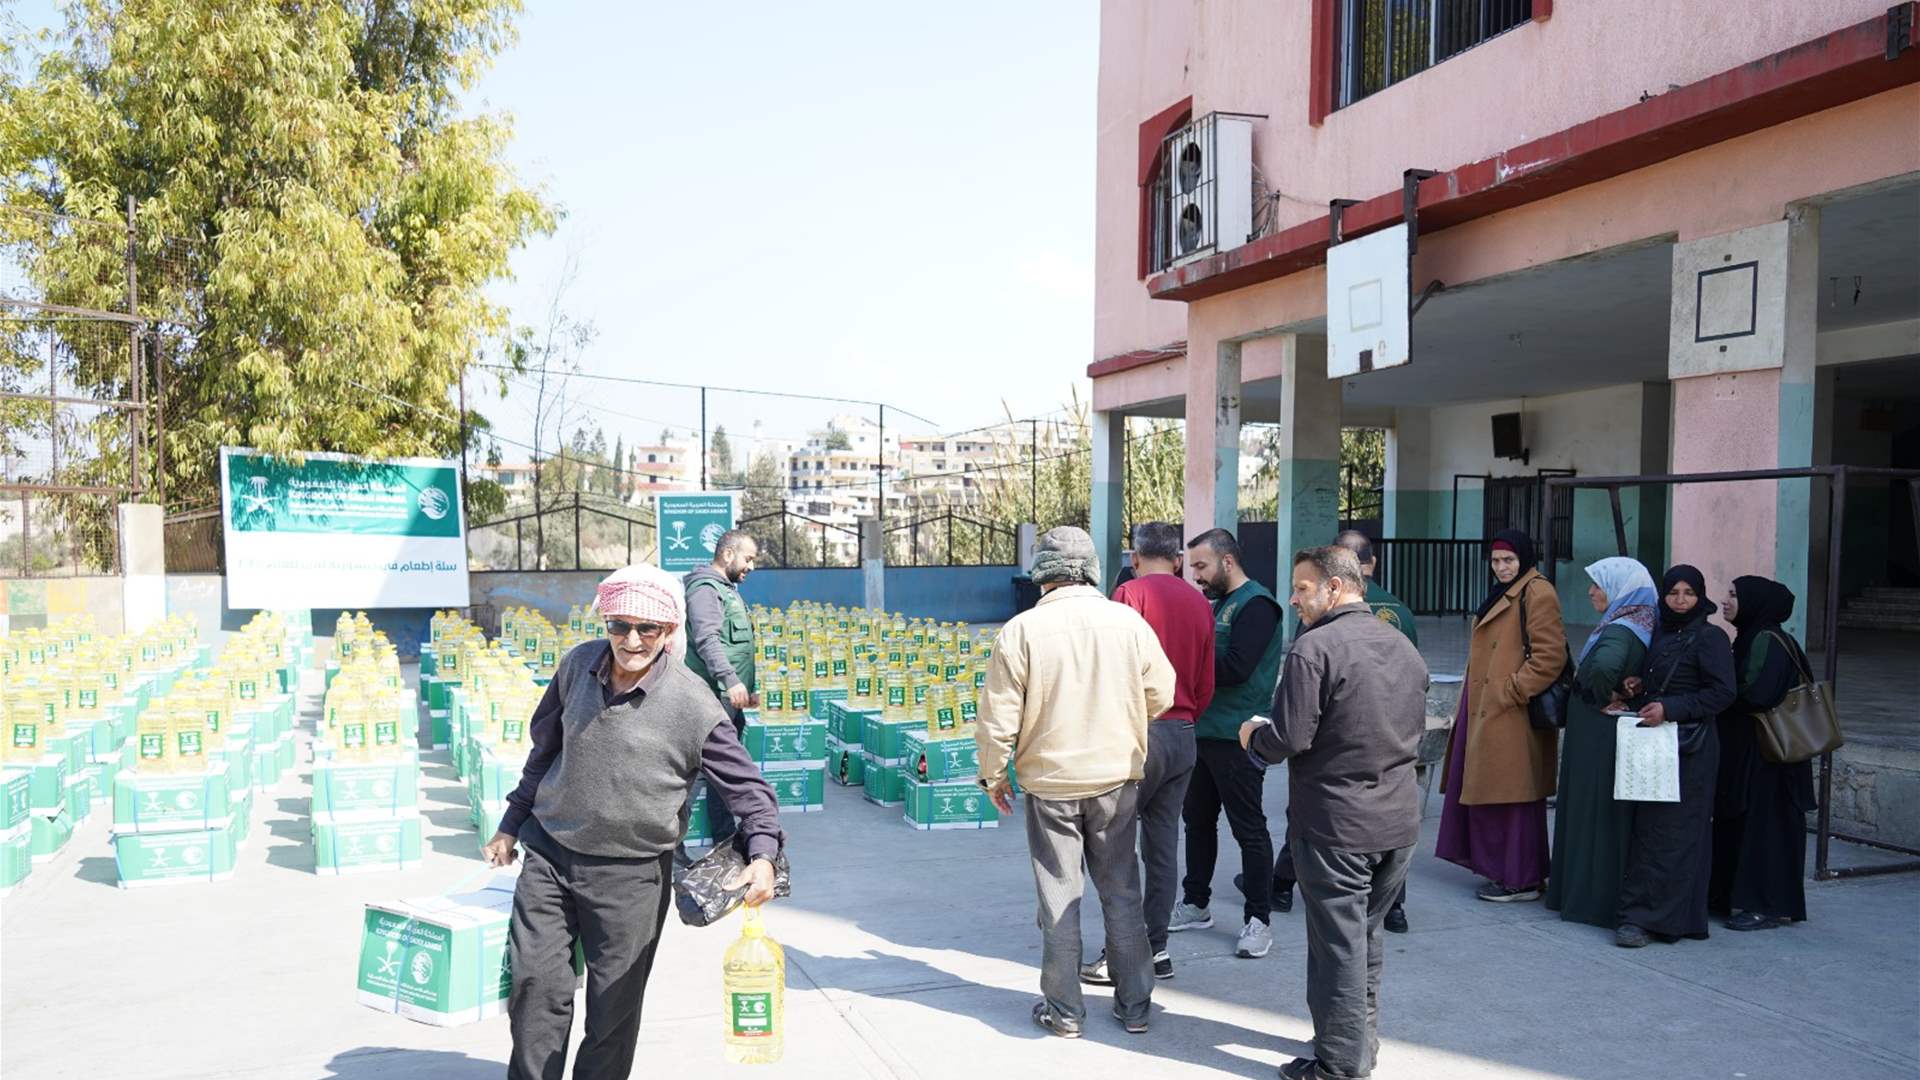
(1547, 710)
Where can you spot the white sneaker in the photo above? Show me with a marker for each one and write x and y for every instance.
(1187, 917)
(1255, 940)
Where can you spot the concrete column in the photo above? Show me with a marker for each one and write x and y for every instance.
(1741, 352)
(1213, 438)
(1407, 503)
(1656, 449)
(873, 564)
(1308, 507)
(143, 566)
(1108, 508)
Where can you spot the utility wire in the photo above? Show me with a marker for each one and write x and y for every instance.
(638, 381)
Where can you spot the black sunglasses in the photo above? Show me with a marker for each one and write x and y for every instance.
(619, 628)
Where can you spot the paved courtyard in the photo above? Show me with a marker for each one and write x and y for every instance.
(914, 955)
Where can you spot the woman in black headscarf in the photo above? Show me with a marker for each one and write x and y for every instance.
(1687, 679)
(1760, 811)
(1500, 769)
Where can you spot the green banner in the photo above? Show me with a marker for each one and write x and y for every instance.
(690, 527)
(327, 496)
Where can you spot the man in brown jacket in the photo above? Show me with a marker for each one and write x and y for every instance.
(1071, 688)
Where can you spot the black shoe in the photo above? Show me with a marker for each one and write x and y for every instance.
(1054, 1022)
(1629, 936)
(1162, 965)
(1754, 920)
(1283, 896)
(1301, 1069)
(1396, 921)
(1134, 1027)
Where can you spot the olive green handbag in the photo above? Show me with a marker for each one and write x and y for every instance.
(1803, 726)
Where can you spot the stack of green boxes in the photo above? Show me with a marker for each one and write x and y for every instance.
(366, 812)
(792, 755)
(16, 831)
(269, 719)
(846, 728)
(942, 786)
(884, 748)
(177, 828)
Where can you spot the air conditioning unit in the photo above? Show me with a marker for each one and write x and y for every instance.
(1207, 174)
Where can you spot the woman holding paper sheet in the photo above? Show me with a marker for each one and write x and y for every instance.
(1688, 680)
(1590, 829)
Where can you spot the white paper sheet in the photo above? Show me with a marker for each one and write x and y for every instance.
(1646, 762)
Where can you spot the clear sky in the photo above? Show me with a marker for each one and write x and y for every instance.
(845, 197)
(872, 199)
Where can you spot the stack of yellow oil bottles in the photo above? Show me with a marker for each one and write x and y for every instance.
(891, 699)
(492, 707)
(366, 758)
(205, 740)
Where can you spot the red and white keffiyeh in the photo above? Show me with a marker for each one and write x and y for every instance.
(646, 593)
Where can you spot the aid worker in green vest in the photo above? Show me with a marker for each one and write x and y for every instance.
(720, 639)
(1247, 649)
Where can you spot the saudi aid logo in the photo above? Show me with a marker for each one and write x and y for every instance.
(434, 503)
(422, 968)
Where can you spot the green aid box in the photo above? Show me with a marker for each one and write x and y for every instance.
(16, 855)
(71, 746)
(805, 740)
(887, 739)
(885, 782)
(175, 858)
(47, 786)
(80, 797)
(359, 847)
(270, 762)
(171, 802)
(50, 833)
(440, 722)
(848, 724)
(487, 819)
(951, 804)
(941, 759)
(429, 662)
(818, 701)
(798, 786)
(441, 960)
(368, 790)
(699, 825)
(846, 765)
(17, 785)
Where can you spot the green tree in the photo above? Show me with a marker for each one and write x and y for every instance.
(763, 513)
(837, 439)
(317, 220)
(722, 453)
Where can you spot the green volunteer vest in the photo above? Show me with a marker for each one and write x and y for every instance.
(736, 636)
(1388, 609)
(1235, 705)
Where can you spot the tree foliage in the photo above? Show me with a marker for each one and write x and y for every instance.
(317, 221)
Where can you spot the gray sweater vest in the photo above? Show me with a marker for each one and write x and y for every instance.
(619, 787)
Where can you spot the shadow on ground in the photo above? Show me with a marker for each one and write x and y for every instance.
(385, 1062)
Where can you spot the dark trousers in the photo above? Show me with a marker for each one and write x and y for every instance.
(1284, 876)
(1163, 794)
(719, 815)
(1224, 778)
(616, 908)
(1346, 895)
(1063, 835)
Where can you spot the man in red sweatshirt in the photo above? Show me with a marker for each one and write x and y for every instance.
(1183, 621)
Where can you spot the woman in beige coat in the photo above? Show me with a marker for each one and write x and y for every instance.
(1501, 769)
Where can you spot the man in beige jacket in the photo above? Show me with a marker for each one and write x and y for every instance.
(1071, 689)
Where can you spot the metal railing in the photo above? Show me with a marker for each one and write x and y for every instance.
(571, 533)
(1434, 577)
(950, 539)
(193, 541)
(794, 541)
(1837, 478)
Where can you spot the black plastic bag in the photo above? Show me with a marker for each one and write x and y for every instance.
(700, 890)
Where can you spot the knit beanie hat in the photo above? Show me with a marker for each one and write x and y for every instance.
(1065, 554)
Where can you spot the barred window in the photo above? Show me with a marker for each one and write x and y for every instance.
(1382, 42)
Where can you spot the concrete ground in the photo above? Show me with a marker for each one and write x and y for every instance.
(915, 955)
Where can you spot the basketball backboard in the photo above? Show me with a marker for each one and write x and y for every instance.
(1368, 291)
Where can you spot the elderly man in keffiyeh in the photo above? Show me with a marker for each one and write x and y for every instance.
(619, 737)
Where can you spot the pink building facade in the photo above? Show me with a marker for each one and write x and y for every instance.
(1602, 173)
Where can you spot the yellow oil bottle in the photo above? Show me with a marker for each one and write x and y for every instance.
(753, 980)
